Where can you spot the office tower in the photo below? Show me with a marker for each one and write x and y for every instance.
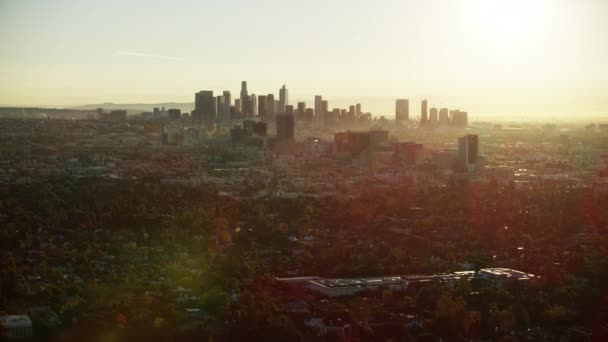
(262, 106)
(237, 105)
(324, 108)
(285, 127)
(459, 119)
(227, 98)
(335, 114)
(453, 114)
(423, 113)
(223, 107)
(358, 110)
(219, 102)
(175, 114)
(444, 119)
(351, 113)
(309, 114)
(270, 97)
(289, 109)
(468, 151)
(204, 107)
(270, 108)
(283, 99)
(254, 105)
(247, 106)
(318, 104)
(402, 111)
(224, 113)
(301, 110)
(433, 119)
(244, 93)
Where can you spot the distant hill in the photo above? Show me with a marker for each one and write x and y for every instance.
(135, 108)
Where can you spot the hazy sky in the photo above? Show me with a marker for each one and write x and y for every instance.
(524, 58)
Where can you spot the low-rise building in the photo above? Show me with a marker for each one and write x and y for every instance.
(15, 327)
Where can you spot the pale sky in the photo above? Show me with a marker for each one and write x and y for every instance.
(493, 58)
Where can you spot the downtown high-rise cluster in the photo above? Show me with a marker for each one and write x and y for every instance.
(210, 109)
(436, 117)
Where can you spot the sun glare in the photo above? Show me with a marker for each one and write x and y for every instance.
(510, 22)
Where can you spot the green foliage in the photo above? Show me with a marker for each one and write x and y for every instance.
(450, 316)
(215, 301)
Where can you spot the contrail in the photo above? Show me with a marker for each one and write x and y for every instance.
(148, 55)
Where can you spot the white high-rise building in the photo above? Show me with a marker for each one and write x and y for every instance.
(254, 105)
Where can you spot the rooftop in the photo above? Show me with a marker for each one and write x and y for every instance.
(15, 321)
(359, 282)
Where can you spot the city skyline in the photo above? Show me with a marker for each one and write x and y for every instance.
(280, 170)
(522, 60)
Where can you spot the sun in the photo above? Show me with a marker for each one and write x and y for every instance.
(510, 22)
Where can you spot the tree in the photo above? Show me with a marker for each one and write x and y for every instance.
(450, 315)
(159, 322)
(215, 301)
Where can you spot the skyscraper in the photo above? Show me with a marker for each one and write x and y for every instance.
(468, 151)
(283, 99)
(402, 111)
(174, 114)
(351, 113)
(285, 127)
(247, 106)
(444, 119)
(334, 116)
(227, 98)
(318, 104)
(262, 106)
(309, 115)
(219, 105)
(204, 107)
(254, 105)
(301, 110)
(289, 109)
(433, 119)
(244, 93)
(423, 113)
(270, 108)
(459, 119)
